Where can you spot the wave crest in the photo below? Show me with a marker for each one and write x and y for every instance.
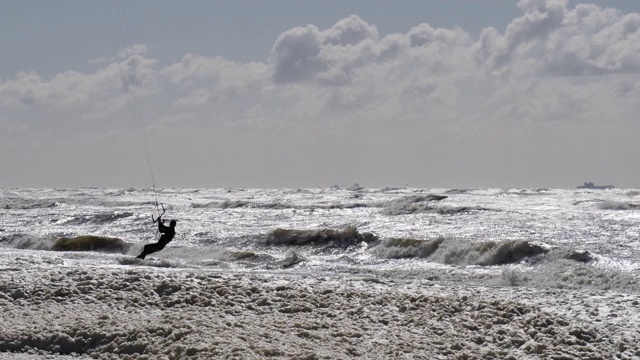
(342, 238)
(18, 203)
(458, 252)
(91, 243)
(272, 205)
(99, 218)
(506, 252)
(413, 204)
(400, 248)
(25, 241)
(617, 205)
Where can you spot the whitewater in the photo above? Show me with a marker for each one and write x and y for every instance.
(327, 273)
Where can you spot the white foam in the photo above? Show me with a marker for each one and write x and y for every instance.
(132, 311)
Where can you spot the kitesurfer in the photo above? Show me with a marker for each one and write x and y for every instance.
(168, 232)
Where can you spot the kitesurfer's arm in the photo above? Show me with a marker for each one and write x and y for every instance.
(161, 226)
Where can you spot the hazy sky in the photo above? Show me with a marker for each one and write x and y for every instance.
(530, 93)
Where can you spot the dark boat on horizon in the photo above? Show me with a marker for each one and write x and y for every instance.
(590, 185)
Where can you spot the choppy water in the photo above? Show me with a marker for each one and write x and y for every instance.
(516, 237)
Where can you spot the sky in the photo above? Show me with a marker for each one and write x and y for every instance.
(283, 93)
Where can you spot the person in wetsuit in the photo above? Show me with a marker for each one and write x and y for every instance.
(167, 235)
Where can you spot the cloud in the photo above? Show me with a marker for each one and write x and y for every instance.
(567, 42)
(524, 35)
(304, 53)
(296, 55)
(72, 88)
(136, 49)
(207, 79)
(438, 97)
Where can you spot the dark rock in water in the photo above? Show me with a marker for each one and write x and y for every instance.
(580, 256)
(91, 243)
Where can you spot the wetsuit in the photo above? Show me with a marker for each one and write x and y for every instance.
(168, 232)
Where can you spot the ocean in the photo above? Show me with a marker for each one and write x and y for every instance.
(321, 273)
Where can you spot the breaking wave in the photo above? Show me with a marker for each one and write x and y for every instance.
(566, 274)
(413, 204)
(291, 260)
(444, 250)
(91, 243)
(98, 219)
(396, 248)
(338, 238)
(232, 205)
(25, 241)
(271, 205)
(458, 252)
(149, 262)
(617, 205)
(79, 243)
(19, 203)
(528, 192)
(457, 191)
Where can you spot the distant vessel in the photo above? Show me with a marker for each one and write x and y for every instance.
(589, 185)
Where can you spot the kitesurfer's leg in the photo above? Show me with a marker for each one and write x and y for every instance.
(150, 248)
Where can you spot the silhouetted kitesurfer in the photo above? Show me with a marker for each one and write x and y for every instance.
(168, 232)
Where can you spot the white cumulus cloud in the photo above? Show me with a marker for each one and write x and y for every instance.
(556, 84)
